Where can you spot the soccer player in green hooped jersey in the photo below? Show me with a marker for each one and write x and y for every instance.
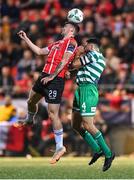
(90, 64)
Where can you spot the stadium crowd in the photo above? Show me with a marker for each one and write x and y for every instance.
(109, 20)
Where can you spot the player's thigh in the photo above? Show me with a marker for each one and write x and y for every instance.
(76, 104)
(88, 101)
(34, 97)
(76, 120)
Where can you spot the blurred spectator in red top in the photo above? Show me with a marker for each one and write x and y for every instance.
(115, 100)
(105, 7)
(23, 85)
(51, 8)
(47, 136)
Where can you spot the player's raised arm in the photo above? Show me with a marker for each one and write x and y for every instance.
(33, 47)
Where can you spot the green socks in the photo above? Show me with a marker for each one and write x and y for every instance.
(90, 141)
(97, 143)
(101, 142)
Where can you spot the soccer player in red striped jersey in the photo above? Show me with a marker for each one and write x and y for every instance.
(50, 83)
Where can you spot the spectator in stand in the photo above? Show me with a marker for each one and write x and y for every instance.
(119, 6)
(47, 136)
(125, 49)
(132, 74)
(7, 111)
(40, 23)
(105, 7)
(6, 81)
(34, 33)
(111, 59)
(6, 29)
(88, 14)
(105, 39)
(71, 139)
(118, 26)
(22, 86)
(89, 28)
(10, 9)
(122, 78)
(129, 7)
(51, 9)
(39, 63)
(78, 4)
(26, 64)
(108, 78)
(25, 22)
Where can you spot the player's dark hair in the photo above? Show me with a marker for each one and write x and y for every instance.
(94, 40)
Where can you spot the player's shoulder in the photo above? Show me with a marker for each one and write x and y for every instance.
(70, 40)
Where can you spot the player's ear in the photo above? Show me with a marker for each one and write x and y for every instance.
(73, 30)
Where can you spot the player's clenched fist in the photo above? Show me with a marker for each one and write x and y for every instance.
(22, 35)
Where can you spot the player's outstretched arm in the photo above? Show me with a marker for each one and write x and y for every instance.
(33, 47)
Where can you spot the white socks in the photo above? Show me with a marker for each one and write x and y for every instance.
(58, 134)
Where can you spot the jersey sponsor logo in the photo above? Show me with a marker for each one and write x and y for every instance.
(93, 109)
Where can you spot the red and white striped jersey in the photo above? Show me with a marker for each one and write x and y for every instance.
(55, 55)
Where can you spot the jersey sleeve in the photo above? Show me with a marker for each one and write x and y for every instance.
(84, 59)
(71, 46)
(50, 46)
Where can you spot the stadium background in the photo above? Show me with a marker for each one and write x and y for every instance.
(113, 23)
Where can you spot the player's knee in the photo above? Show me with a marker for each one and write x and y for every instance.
(29, 102)
(87, 124)
(52, 115)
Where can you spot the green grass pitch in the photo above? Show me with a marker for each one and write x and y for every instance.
(66, 168)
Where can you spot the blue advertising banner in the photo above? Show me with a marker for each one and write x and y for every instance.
(116, 115)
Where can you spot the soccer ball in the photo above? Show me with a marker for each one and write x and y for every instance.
(75, 15)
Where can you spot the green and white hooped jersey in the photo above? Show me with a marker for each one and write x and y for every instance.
(93, 64)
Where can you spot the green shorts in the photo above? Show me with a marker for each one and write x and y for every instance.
(86, 99)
